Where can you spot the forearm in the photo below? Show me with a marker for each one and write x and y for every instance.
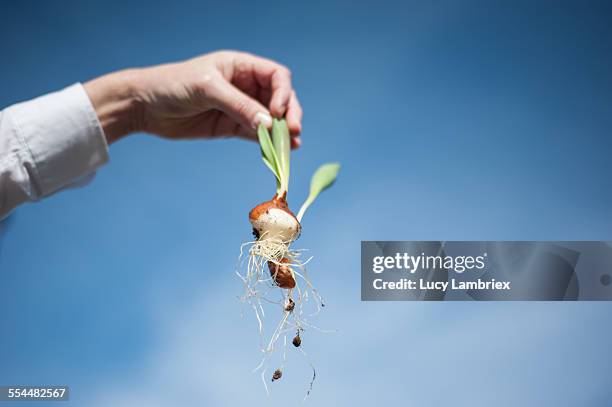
(117, 103)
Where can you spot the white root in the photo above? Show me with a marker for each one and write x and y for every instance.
(258, 284)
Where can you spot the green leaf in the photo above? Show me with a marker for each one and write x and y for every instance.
(282, 146)
(265, 160)
(268, 152)
(322, 179)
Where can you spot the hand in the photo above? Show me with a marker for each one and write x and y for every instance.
(223, 93)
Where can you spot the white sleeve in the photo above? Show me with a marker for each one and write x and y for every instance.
(46, 144)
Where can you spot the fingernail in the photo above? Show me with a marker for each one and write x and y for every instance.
(263, 118)
(298, 141)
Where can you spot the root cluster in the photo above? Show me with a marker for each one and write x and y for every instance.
(261, 291)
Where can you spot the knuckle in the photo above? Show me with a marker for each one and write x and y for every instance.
(206, 86)
(223, 53)
(242, 107)
(244, 54)
(242, 68)
(286, 71)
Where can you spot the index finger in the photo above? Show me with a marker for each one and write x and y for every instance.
(275, 77)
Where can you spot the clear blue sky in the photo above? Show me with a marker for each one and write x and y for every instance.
(453, 120)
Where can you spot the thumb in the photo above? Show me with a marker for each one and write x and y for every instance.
(242, 108)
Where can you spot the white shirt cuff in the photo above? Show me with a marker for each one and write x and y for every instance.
(63, 136)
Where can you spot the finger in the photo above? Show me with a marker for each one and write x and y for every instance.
(276, 77)
(218, 124)
(296, 142)
(280, 85)
(243, 109)
(264, 95)
(225, 126)
(294, 115)
(244, 79)
(294, 120)
(246, 134)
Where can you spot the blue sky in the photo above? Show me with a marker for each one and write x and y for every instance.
(452, 120)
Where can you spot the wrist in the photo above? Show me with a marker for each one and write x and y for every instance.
(117, 103)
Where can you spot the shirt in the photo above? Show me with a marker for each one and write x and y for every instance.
(47, 144)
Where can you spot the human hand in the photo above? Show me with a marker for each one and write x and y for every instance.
(224, 93)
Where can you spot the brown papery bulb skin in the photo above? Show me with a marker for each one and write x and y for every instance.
(274, 220)
(275, 202)
(282, 275)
